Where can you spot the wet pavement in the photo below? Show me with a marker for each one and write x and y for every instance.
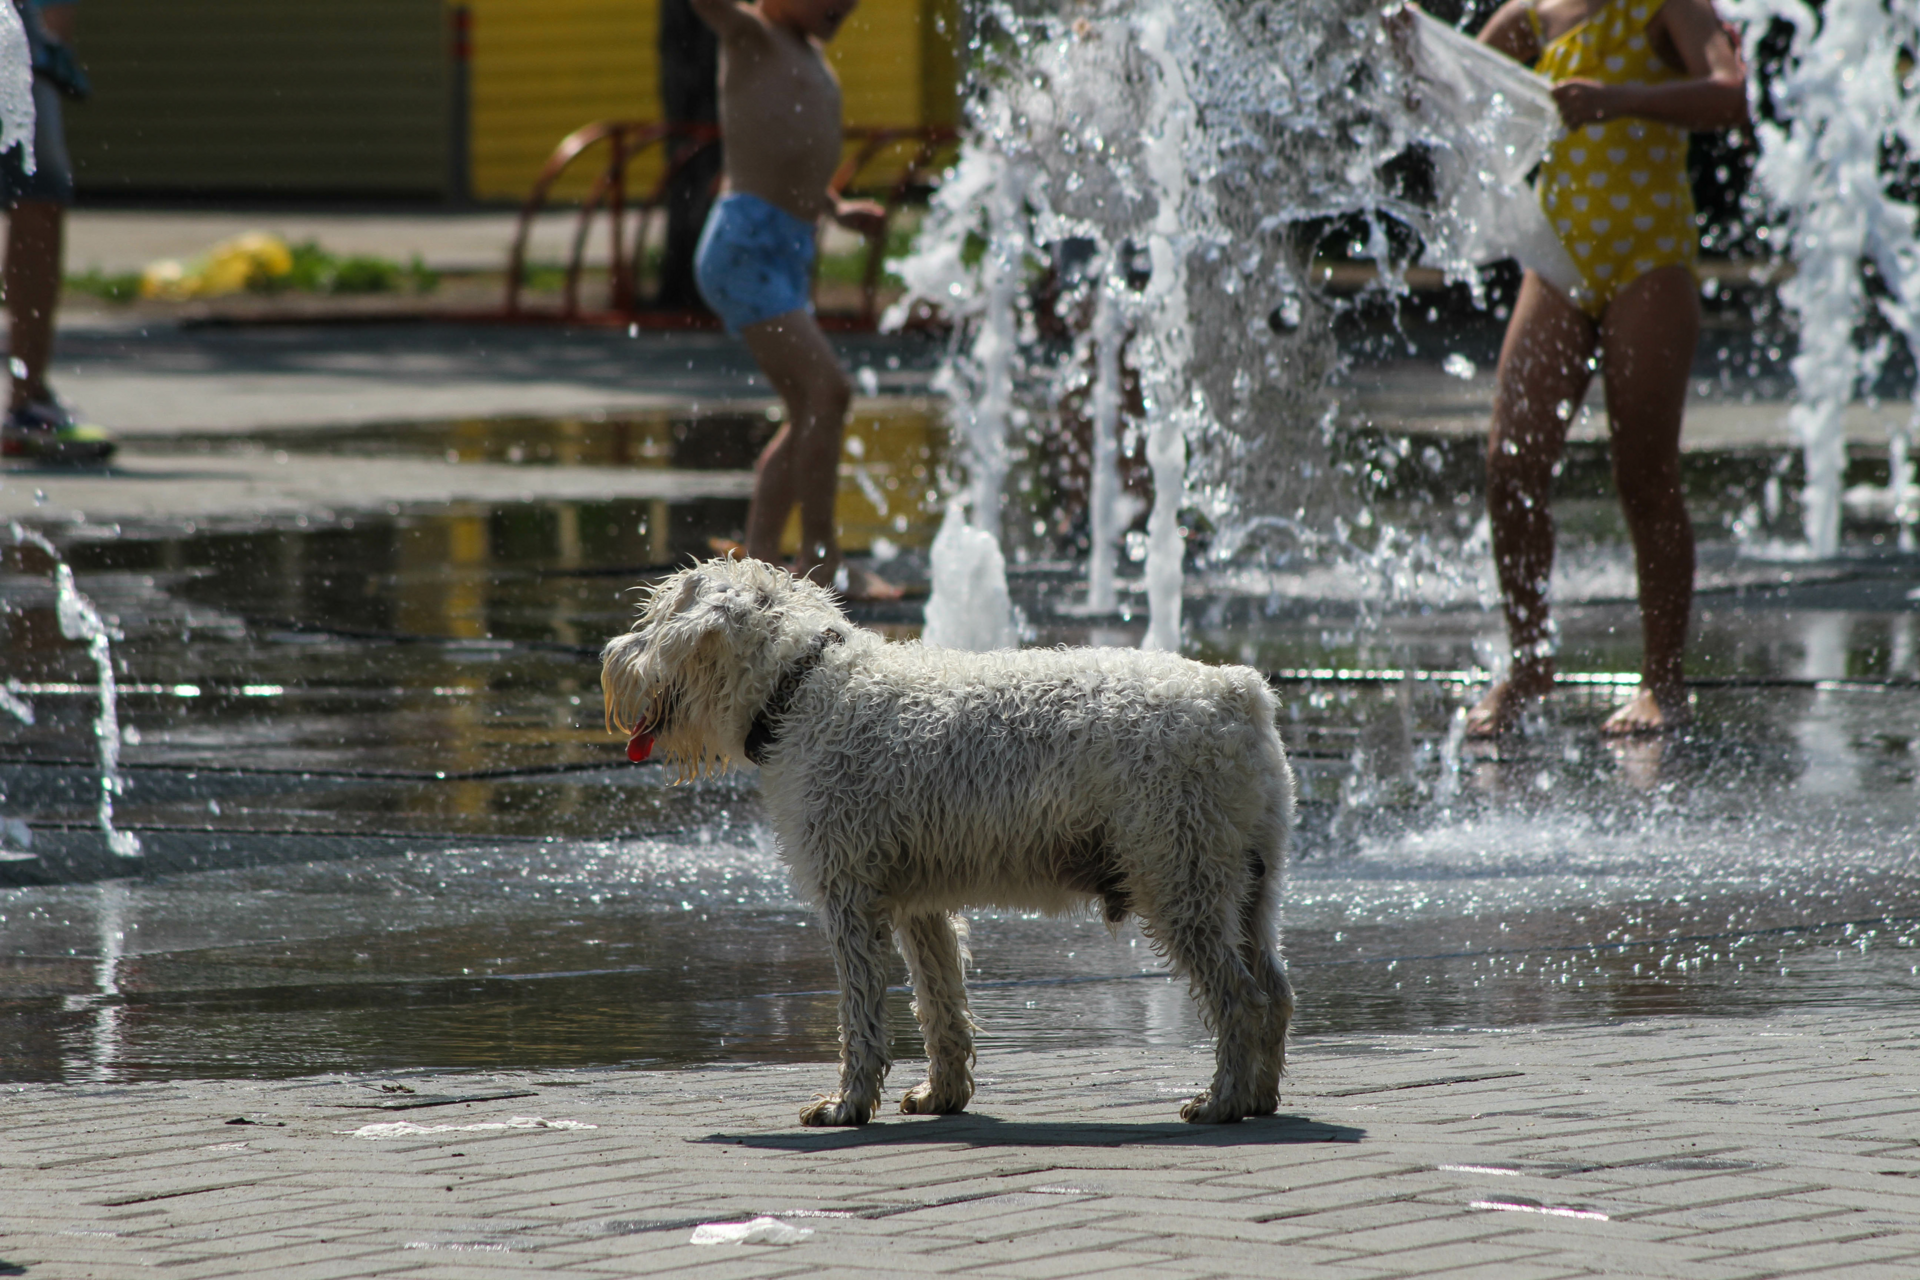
(359, 581)
(383, 825)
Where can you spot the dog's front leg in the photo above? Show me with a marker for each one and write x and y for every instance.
(936, 957)
(860, 952)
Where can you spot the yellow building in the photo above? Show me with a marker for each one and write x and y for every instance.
(363, 97)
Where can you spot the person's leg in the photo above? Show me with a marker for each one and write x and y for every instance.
(1545, 365)
(1648, 337)
(34, 230)
(802, 462)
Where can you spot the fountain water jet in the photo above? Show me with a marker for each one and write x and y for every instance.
(1841, 106)
(1211, 134)
(1103, 489)
(79, 620)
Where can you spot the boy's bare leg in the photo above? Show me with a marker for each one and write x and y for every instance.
(802, 462)
(1648, 334)
(1545, 366)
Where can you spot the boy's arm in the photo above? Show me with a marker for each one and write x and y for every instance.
(1714, 96)
(728, 19)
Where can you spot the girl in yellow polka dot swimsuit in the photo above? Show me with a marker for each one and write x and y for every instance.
(1616, 192)
(1632, 78)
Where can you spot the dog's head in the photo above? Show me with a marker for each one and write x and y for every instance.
(711, 645)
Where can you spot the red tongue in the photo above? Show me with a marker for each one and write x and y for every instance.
(640, 746)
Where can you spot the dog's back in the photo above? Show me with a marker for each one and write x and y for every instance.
(1035, 779)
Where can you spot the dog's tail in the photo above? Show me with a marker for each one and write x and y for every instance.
(620, 685)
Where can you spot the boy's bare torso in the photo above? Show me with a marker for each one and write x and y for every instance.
(779, 115)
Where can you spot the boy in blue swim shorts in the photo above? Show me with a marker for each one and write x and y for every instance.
(780, 123)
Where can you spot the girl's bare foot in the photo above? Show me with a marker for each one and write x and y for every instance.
(1649, 712)
(1500, 710)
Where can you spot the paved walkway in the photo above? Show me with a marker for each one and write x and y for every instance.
(227, 487)
(1709, 1150)
(116, 240)
(135, 371)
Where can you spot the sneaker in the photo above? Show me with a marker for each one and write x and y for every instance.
(45, 431)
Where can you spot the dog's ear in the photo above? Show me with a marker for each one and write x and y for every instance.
(739, 609)
(621, 687)
(690, 588)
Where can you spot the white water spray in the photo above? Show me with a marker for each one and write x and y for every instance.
(969, 606)
(79, 620)
(1167, 320)
(1103, 489)
(1212, 134)
(1840, 103)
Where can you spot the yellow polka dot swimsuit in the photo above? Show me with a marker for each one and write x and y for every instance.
(1617, 192)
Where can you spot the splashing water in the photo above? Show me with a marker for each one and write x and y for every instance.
(1841, 107)
(79, 620)
(1203, 138)
(969, 607)
(1103, 488)
(1206, 136)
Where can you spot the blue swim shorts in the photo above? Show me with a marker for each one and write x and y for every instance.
(755, 261)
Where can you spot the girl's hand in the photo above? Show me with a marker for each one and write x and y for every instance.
(1585, 102)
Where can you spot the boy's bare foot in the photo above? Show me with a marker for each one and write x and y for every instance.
(863, 585)
(1649, 712)
(866, 585)
(1500, 710)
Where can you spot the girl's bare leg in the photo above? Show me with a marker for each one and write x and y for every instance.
(1546, 363)
(802, 462)
(1648, 335)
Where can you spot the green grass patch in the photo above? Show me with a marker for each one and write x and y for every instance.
(115, 286)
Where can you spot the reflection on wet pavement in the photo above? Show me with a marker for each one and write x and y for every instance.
(384, 827)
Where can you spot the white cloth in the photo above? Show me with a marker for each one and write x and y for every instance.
(1489, 121)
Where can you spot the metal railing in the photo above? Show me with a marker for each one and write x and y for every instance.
(918, 152)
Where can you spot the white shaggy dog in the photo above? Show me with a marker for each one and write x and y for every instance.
(905, 783)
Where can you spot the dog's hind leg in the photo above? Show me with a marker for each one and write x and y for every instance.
(860, 953)
(1259, 930)
(1201, 928)
(933, 946)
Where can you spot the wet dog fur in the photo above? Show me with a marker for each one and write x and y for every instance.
(905, 783)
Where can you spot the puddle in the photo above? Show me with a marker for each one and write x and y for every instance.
(894, 449)
(384, 828)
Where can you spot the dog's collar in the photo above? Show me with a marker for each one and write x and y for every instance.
(764, 731)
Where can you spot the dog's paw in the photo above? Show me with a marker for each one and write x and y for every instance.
(1206, 1109)
(924, 1099)
(824, 1113)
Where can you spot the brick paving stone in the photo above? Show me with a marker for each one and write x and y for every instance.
(1813, 1257)
(1904, 1268)
(1698, 1138)
(1461, 1227)
(1115, 1261)
(1513, 1269)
